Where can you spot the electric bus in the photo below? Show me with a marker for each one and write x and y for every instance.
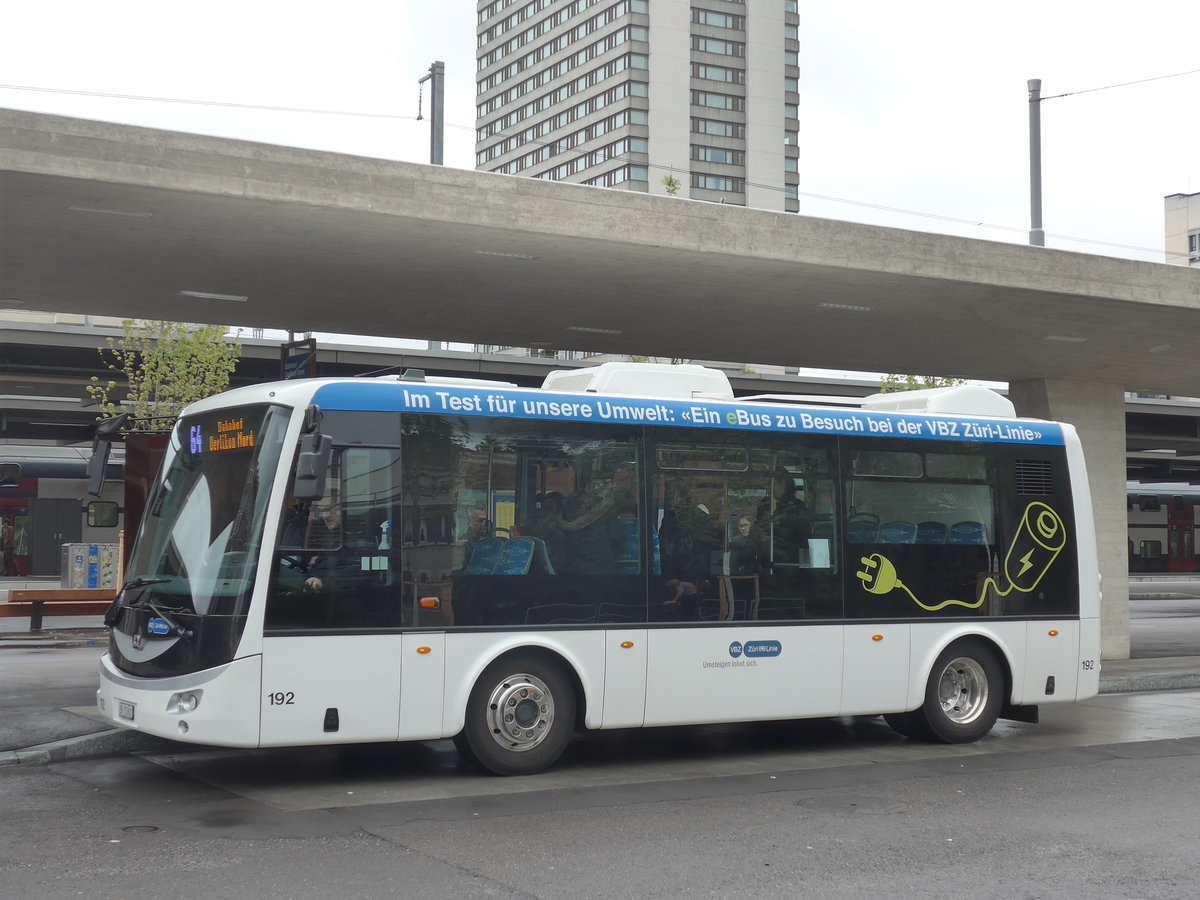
(407, 558)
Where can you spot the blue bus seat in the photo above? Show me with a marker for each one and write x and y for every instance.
(897, 533)
(967, 533)
(516, 558)
(931, 532)
(862, 531)
(484, 556)
(540, 564)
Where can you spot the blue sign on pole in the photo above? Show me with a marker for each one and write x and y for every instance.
(298, 359)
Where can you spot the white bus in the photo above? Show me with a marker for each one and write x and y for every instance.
(334, 561)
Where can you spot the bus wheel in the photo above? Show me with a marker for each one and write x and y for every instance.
(962, 697)
(520, 716)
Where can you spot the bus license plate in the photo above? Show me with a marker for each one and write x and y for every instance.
(125, 710)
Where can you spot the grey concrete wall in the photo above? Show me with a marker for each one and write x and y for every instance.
(1098, 413)
(764, 107)
(670, 96)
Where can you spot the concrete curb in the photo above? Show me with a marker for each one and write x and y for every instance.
(42, 644)
(1150, 681)
(85, 746)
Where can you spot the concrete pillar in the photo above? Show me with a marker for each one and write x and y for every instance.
(1098, 413)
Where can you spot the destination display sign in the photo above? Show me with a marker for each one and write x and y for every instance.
(517, 404)
(222, 433)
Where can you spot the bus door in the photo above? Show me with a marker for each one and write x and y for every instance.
(1181, 553)
(333, 651)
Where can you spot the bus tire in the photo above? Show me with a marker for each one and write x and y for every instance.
(963, 695)
(520, 715)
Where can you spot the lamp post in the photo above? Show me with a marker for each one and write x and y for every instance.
(1037, 237)
(437, 90)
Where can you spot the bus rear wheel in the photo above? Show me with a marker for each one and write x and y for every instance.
(520, 716)
(963, 695)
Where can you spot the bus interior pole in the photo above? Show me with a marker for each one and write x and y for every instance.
(1037, 236)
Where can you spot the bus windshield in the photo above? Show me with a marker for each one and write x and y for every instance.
(198, 545)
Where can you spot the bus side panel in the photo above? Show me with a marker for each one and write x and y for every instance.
(422, 685)
(700, 675)
(1052, 652)
(304, 677)
(469, 653)
(226, 716)
(928, 641)
(875, 673)
(1087, 552)
(1089, 659)
(625, 678)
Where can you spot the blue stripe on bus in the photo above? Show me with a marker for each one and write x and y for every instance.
(518, 404)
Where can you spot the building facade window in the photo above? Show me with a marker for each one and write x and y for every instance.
(718, 101)
(718, 73)
(716, 45)
(718, 183)
(718, 155)
(718, 19)
(718, 129)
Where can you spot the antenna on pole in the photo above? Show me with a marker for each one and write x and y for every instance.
(437, 91)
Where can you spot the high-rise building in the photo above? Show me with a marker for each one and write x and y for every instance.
(694, 97)
(1181, 221)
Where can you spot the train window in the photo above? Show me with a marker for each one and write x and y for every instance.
(102, 514)
(1148, 503)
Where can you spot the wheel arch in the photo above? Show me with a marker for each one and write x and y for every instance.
(563, 657)
(929, 656)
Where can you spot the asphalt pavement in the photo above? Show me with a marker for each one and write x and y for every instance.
(48, 679)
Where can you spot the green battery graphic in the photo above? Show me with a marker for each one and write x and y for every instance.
(1037, 543)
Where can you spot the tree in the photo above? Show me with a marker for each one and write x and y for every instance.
(671, 183)
(167, 365)
(894, 383)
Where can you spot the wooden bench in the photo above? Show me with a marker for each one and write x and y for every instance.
(55, 602)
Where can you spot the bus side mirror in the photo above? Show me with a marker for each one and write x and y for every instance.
(311, 465)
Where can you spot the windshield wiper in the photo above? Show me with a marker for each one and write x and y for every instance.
(114, 612)
(176, 629)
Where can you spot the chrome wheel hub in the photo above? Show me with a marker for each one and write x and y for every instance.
(520, 712)
(963, 690)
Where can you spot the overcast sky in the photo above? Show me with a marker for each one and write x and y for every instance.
(912, 114)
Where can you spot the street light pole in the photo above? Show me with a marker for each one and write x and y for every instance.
(1037, 237)
(437, 109)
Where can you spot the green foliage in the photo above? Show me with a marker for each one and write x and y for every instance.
(894, 383)
(659, 360)
(166, 365)
(672, 184)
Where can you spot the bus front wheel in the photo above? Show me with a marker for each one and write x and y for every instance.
(520, 716)
(962, 697)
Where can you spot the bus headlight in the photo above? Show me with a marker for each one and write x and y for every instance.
(185, 702)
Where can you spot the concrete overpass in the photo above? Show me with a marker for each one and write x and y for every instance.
(118, 220)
